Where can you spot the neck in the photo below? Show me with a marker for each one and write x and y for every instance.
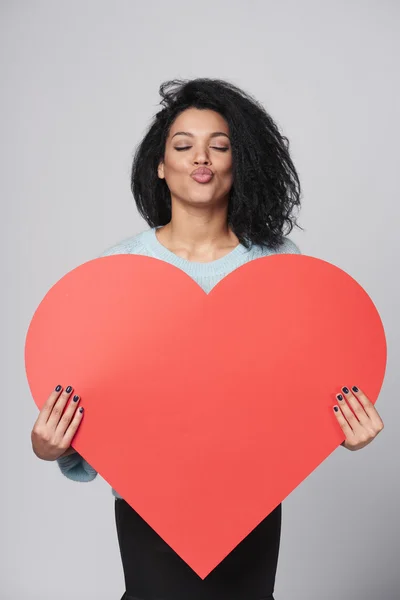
(193, 232)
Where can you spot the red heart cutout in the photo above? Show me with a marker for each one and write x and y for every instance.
(205, 411)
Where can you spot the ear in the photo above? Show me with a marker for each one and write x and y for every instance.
(160, 170)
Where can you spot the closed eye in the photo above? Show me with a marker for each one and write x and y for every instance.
(222, 149)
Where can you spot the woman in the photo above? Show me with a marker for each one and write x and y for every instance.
(214, 181)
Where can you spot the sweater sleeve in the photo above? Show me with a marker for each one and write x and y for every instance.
(75, 467)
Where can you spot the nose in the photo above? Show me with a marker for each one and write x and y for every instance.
(201, 158)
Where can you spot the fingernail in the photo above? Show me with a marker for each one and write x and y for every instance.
(346, 390)
(354, 388)
(58, 388)
(69, 389)
(75, 398)
(335, 408)
(339, 397)
(81, 409)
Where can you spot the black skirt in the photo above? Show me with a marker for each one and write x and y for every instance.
(153, 570)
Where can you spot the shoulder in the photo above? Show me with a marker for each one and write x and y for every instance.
(288, 247)
(132, 245)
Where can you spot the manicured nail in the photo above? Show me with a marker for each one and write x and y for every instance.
(58, 388)
(75, 398)
(69, 389)
(354, 388)
(335, 408)
(339, 397)
(81, 409)
(346, 390)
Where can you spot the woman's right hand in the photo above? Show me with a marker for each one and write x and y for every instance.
(54, 430)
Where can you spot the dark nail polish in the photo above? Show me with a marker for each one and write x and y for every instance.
(354, 388)
(75, 398)
(335, 408)
(58, 388)
(346, 390)
(340, 397)
(81, 409)
(69, 389)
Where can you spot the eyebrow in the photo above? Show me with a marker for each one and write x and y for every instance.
(215, 134)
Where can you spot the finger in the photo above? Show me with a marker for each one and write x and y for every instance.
(73, 427)
(58, 408)
(347, 430)
(369, 408)
(68, 415)
(358, 409)
(349, 415)
(47, 407)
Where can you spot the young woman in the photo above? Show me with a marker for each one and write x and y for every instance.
(214, 181)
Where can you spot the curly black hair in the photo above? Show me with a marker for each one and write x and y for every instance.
(265, 187)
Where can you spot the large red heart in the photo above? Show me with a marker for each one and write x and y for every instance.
(205, 411)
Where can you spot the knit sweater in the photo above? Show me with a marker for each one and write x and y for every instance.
(206, 275)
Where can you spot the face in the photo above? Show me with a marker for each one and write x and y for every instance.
(204, 143)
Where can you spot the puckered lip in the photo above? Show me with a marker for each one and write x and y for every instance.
(202, 171)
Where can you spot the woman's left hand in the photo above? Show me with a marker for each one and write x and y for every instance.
(361, 426)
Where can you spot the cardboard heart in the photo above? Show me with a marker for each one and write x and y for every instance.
(205, 411)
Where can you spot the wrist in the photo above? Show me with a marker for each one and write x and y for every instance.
(68, 451)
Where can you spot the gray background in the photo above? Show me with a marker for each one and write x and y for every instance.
(79, 85)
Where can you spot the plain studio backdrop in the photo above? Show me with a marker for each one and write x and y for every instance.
(79, 87)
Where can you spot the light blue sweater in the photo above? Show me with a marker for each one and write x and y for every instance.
(207, 275)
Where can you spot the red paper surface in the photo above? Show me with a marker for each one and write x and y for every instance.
(205, 411)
